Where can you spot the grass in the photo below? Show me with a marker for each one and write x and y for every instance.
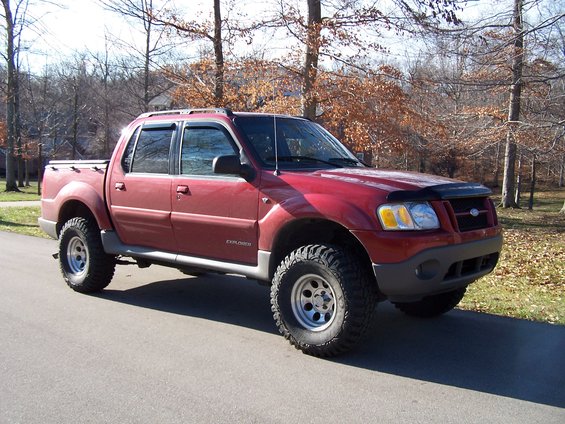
(26, 193)
(528, 283)
(22, 220)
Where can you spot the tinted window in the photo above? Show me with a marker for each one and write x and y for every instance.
(199, 148)
(152, 151)
(128, 152)
(300, 143)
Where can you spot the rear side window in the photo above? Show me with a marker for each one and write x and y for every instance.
(151, 151)
(128, 152)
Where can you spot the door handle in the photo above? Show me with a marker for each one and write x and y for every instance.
(183, 189)
(120, 186)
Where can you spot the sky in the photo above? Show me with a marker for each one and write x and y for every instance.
(71, 25)
(80, 25)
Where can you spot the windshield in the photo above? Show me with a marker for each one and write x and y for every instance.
(301, 143)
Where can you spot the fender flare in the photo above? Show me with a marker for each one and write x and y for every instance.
(312, 206)
(77, 191)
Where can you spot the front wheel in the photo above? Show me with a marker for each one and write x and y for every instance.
(432, 306)
(85, 266)
(322, 299)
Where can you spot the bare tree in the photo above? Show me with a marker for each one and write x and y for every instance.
(12, 93)
(212, 32)
(499, 59)
(311, 58)
(515, 103)
(347, 31)
(147, 14)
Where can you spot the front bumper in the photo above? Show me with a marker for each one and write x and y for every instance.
(438, 269)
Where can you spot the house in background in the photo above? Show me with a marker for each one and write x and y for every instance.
(163, 101)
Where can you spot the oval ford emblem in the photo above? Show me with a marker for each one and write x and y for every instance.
(474, 212)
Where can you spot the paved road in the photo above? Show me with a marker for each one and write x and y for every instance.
(158, 347)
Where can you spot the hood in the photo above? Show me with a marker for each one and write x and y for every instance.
(385, 180)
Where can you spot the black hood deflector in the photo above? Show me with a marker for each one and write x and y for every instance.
(440, 192)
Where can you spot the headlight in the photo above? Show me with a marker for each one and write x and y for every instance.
(408, 216)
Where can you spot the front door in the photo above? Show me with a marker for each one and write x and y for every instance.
(213, 216)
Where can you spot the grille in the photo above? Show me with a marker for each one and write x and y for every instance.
(472, 266)
(466, 221)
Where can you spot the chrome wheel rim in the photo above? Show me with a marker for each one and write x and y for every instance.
(313, 302)
(77, 255)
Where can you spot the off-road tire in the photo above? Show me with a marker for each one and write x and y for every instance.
(322, 299)
(85, 266)
(432, 306)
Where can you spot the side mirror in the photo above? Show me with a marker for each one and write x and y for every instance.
(229, 164)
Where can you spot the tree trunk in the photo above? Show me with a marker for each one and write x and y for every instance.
(75, 122)
(562, 171)
(514, 107)
(518, 182)
(310, 70)
(496, 175)
(563, 208)
(39, 167)
(26, 172)
(11, 89)
(20, 166)
(532, 183)
(219, 57)
(147, 58)
(18, 131)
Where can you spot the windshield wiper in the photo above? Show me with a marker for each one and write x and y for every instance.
(303, 158)
(345, 160)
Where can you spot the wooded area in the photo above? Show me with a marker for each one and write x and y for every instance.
(478, 98)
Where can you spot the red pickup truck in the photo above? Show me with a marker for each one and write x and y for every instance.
(280, 200)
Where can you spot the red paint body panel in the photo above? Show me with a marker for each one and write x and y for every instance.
(141, 211)
(82, 183)
(216, 218)
(349, 197)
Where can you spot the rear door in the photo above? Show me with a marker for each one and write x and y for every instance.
(214, 216)
(140, 188)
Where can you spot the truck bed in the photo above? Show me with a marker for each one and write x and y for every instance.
(68, 180)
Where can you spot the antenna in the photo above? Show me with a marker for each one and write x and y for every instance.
(277, 172)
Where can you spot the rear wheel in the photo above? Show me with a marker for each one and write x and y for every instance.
(322, 299)
(432, 306)
(85, 266)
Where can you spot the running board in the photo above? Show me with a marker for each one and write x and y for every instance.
(113, 246)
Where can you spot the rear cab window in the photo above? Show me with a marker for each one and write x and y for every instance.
(149, 149)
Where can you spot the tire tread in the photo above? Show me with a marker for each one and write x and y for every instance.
(356, 285)
(101, 265)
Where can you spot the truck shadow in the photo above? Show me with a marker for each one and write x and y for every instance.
(502, 356)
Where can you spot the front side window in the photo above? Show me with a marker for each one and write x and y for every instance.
(152, 151)
(200, 145)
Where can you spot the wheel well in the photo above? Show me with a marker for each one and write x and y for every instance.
(72, 209)
(312, 231)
